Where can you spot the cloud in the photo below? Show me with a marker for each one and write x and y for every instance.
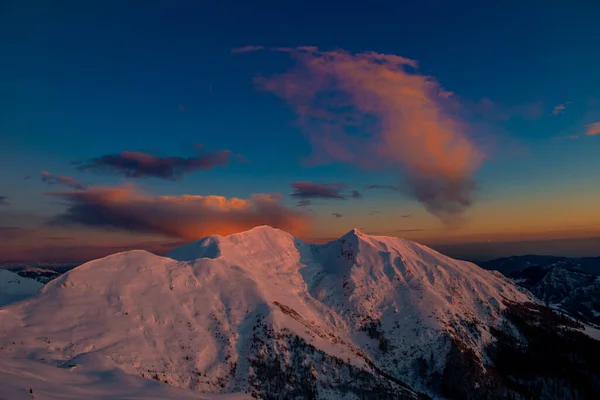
(593, 129)
(50, 179)
(186, 217)
(374, 110)
(246, 49)
(304, 203)
(136, 164)
(386, 187)
(315, 190)
(337, 215)
(559, 109)
(408, 230)
(406, 216)
(444, 94)
(3, 201)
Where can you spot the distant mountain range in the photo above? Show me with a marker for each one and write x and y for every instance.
(263, 314)
(40, 271)
(569, 284)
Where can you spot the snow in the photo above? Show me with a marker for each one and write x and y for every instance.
(94, 380)
(189, 318)
(592, 332)
(14, 288)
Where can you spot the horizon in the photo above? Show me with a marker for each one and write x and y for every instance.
(147, 129)
(475, 252)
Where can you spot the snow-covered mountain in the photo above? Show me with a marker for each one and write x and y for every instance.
(14, 288)
(265, 313)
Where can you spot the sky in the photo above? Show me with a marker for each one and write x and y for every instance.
(470, 126)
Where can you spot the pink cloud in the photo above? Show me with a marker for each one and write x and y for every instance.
(50, 179)
(559, 109)
(372, 109)
(444, 94)
(187, 217)
(593, 129)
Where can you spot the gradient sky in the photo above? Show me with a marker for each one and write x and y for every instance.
(153, 123)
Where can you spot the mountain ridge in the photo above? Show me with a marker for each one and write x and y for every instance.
(263, 312)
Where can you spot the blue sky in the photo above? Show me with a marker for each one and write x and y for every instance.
(78, 81)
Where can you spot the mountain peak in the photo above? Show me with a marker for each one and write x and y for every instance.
(354, 232)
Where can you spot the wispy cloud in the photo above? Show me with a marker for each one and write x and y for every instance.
(337, 215)
(590, 130)
(304, 203)
(187, 217)
(593, 129)
(336, 94)
(3, 201)
(246, 49)
(136, 164)
(406, 216)
(386, 187)
(316, 190)
(559, 109)
(50, 179)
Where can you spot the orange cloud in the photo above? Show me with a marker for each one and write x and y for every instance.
(374, 109)
(187, 217)
(593, 129)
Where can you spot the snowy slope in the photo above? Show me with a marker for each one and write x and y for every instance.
(14, 288)
(95, 380)
(264, 312)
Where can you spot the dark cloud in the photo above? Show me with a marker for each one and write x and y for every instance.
(315, 190)
(186, 217)
(434, 192)
(312, 190)
(386, 187)
(406, 216)
(136, 164)
(3, 201)
(408, 230)
(337, 215)
(50, 179)
(304, 203)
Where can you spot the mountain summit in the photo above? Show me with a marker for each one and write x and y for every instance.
(266, 313)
